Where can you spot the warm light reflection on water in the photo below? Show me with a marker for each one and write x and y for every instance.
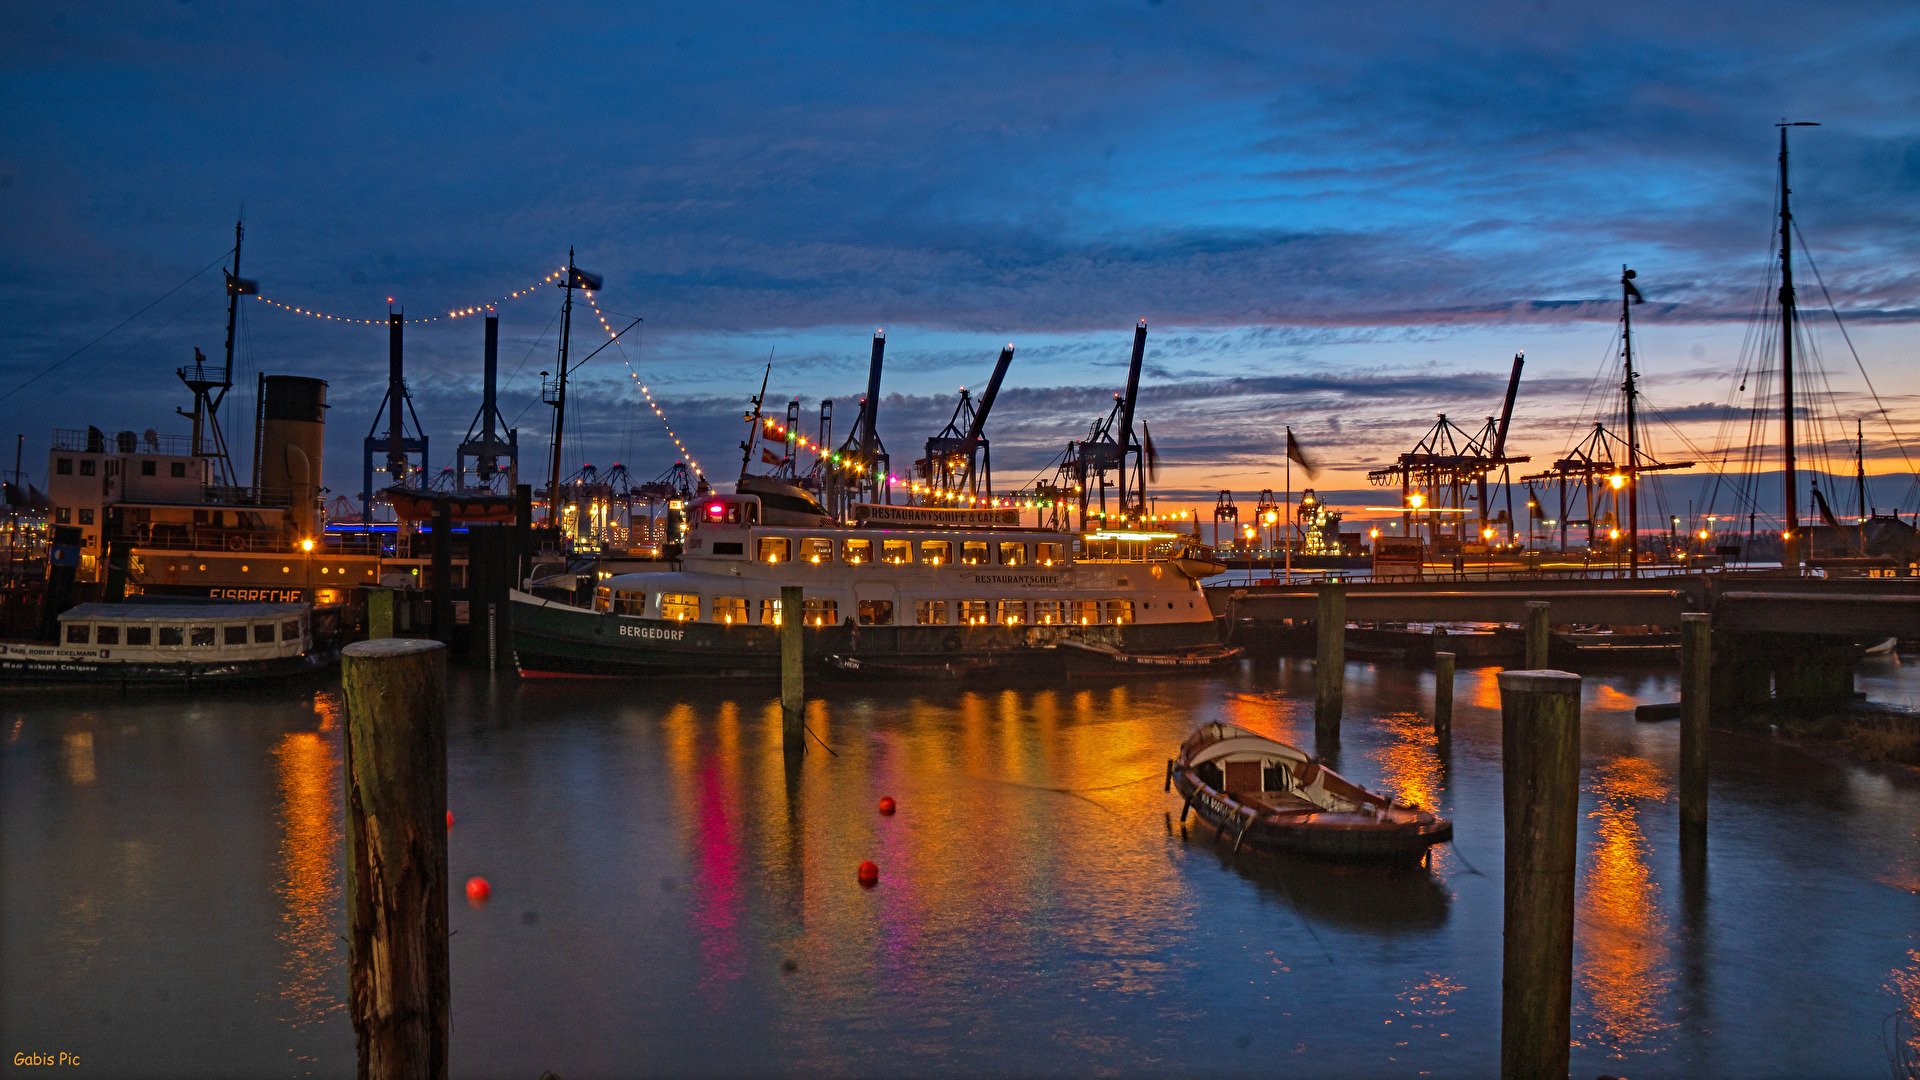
(310, 856)
(1620, 936)
(1409, 769)
(1903, 1035)
(80, 757)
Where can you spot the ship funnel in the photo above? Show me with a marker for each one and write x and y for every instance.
(293, 435)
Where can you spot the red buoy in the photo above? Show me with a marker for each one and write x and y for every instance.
(449, 819)
(886, 804)
(478, 890)
(869, 874)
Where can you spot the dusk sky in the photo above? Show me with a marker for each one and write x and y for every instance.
(1340, 218)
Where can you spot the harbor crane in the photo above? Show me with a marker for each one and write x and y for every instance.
(1449, 468)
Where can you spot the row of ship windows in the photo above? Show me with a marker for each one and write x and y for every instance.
(819, 611)
(64, 467)
(813, 549)
(191, 636)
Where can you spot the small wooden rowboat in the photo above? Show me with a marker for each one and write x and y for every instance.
(1275, 797)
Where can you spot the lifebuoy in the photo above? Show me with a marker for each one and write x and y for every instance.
(952, 643)
(236, 543)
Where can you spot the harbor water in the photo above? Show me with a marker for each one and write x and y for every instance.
(669, 900)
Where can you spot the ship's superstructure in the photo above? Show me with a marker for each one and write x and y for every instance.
(905, 587)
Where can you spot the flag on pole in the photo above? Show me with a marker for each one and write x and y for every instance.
(1295, 454)
(580, 279)
(770, 457)
(1633, 291)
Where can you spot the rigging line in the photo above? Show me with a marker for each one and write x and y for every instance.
(57, 363)
(122, 354)
(531, 348)
(1848, 338)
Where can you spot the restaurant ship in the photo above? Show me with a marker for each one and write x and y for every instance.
(907, 591)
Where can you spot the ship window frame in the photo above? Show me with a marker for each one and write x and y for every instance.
(263, 633)
(1083, 608)
(292, 630)
(673, 607)
(63, 466)
(816, 549)
(603, 599)
(177, 470)
(1010, 613)
(1048, 554)
(200, 637)
(1016, 548)
(975, 612)
(936, 552)
(630, 603)
(874, 612)
(729, 610)
(1048, 613)
(143, 633)
(969, 547)
(1121, 613)
(228, 631)
(820, 611)
(889, 547)
(848, 547)
(781, 545)
(770, 612)
(79, 633)
(930, 613)
(106, 634)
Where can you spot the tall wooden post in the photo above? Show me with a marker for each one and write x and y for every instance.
(1330, 662)
(1696, 708)
(1443, 696)
(396, 808)
(1540, 743)
(442, 571)
(380, 612)
(1539, 635)
(793, 688)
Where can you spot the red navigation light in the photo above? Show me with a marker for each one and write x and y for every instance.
(716, 510)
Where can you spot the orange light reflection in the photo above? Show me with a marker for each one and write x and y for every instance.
(1620, 938)
(310, 857)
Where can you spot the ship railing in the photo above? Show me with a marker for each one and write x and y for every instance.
(96, 441)
(244, 544)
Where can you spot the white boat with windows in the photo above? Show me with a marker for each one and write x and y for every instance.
(168, 642)
(904, 590)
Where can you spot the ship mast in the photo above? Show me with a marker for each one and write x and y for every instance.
(1790, 534)
(1628, 296)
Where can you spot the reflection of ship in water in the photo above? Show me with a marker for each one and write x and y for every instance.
(1368, 899)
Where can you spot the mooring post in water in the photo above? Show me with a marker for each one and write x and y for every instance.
(1540, 746)
(380, 612)
(1442, 696)
(793, 672)
(396, 808)
(1696, 707)
(1330, 662)
(442, 571)
(1538, 635)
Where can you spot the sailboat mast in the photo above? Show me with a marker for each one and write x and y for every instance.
(1790, 556)
(560, 399)
(1633, 428)
(1860, 467)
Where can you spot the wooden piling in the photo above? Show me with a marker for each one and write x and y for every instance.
(1330, 662)
(793, 687)
(396, 806)
(1443, 696)
(442, 572)
(380, 612)
(1696, 708)
(1540, 744)
(1539, 636)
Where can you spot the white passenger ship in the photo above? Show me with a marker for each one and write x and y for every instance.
(906, 590)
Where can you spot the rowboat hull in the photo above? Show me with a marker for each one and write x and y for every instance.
(1331, 836)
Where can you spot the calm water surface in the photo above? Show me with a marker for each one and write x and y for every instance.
(668, 901)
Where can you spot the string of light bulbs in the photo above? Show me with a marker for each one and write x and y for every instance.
(453, 313)
(644, 390)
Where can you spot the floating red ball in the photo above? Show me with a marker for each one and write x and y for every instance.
(886, 804)
(478, 890)
(869, 873)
